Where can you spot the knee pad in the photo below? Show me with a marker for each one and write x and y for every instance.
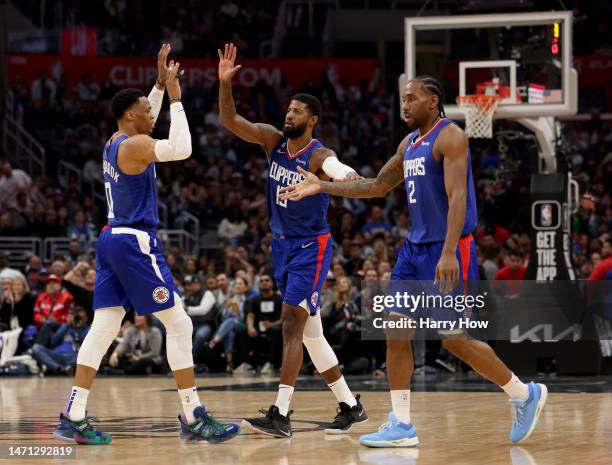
(179, 330)
(104, 329)
(318, 348)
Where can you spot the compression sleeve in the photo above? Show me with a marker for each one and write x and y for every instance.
(178, 144)
(156, 97)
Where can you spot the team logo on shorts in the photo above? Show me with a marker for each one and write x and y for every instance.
(314, 298)
(161, 295)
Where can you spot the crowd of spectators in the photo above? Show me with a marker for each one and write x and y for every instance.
(193, 28)
(228, 286)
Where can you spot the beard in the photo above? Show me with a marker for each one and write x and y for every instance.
(295, 131)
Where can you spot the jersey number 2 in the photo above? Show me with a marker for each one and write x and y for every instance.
(411, 193)
(109, 199)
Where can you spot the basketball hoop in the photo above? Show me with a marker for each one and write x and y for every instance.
(478, 110)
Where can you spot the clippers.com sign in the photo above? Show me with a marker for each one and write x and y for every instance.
(141, 72)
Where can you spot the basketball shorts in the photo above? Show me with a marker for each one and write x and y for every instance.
(418, 262)
(132, 272)
(301, 265)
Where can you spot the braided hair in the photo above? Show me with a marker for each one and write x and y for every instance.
(433, 87)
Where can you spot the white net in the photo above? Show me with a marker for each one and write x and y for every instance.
(478, 110)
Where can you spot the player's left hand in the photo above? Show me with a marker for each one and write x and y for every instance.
(162, 67)
(352, 176)
(447, 272)
(311, 185)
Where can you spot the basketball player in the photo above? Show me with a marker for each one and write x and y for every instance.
(131, 270)
(434, 162)
(301, 247)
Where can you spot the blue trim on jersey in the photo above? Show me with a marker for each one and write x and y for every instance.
(306, 217)
(425, 191)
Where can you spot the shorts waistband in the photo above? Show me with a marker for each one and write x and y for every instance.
(283, 237)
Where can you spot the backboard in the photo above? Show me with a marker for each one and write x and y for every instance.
(526, 58)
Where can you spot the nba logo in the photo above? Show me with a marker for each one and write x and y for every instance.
(546, 215)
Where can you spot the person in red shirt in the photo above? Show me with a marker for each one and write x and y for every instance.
(514, 270)
(53, 304)
(604, 267)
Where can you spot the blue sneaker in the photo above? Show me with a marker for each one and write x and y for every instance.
(206, 428)
(525, 413)
(392, 434)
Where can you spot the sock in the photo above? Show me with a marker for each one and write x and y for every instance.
(342, 392)
(516, 389)
(400, 403)
(283, 399)
(190, 400)
(77, 403)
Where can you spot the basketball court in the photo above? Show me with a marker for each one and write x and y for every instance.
(461, 419)
(469, 427)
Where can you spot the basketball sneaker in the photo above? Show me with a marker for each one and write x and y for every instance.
(80, 432)
(346, 417)
(525, 413)
(206, 428)
(392, 434)
(272, 423)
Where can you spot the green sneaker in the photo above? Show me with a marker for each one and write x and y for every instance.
(80, 432)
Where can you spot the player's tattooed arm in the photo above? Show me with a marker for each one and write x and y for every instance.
(387, 179)
(265, 135)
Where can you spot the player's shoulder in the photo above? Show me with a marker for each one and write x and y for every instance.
(137, 142)
(453, 130)
(451, 135)
(324, 152)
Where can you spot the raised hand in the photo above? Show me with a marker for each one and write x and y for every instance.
(227, 58)
(162, 67)
(172, 81)
(311, 185)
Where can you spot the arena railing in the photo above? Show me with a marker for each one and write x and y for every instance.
(58, 246)
(20, 249)
(19, 145)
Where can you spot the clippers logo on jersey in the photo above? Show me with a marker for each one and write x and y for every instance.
(161, 295)
(284, 176)
(415, 167)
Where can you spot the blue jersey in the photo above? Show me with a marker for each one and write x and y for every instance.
(131, 199)
(306, 217)
(427, 199)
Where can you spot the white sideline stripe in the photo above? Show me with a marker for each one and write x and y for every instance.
(143, 242)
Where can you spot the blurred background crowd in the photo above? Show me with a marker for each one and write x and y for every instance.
(227, 282)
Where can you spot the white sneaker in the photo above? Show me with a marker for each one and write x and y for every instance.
(244, 368)
(267, 369)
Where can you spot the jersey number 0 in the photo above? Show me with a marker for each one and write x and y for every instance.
(109, 199)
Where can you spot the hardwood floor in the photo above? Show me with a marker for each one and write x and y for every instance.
(468, 428)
